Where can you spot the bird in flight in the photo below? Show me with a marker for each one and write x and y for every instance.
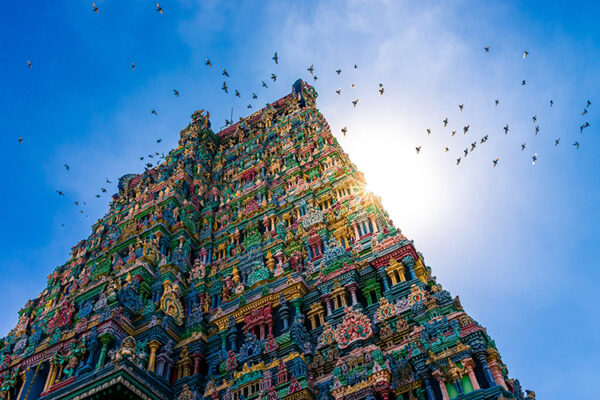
(446, 149)
(589, 103)
(523, 82)
(381, 90)
(208, 62)
(353, 86)
(525, 53)
(264, 84)
(315, 77)
(428, 131)
(466, 151)
(275, 58)
(355, 66)
(445, 121)
(584, 111)
(506, 129)
(225, 73)
(339, 91)
(153, 112)
(534, 159)
(534, 118)
(583, 126)
(67, 167)
(551, 103)
(453, 133)
(158, 140)
(496, 102)
(95, 8)
(458, 161)
(20, 139)
(97, 196)
(418, 149)
(108, 181)
(461, 106)
(523, 145)
(473, 145)
(310, 69)
(28, 64)
(495, 162)
(274, 77)
(60, 193)
(133, 66)
(254, 96)
(249, 106)
(338, 71)
(466, 129)
(176, 92)
(487, 49)
(344, 130)
(556, 142)
(159, 8)
(354, 103)
(103, 190)
(237, 93)
(576, 144)
(537, 129)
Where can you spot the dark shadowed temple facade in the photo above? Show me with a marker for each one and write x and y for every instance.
(251, 264)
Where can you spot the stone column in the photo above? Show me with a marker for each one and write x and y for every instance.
(373, 223)
(439, 377)
(352, 288)
(481, 358)
(356, 234)
(154, 346)
(105, 339)
(469, 365)
(495, 368)
(428, 388)
(49, 377)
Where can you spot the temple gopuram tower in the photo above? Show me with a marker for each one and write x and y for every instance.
(251, 264)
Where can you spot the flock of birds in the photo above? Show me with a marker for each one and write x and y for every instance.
(153, 159)
(506, 128)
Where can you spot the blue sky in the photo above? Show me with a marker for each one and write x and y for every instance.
(519, 243)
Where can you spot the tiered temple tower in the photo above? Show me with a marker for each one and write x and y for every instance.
(251, 264)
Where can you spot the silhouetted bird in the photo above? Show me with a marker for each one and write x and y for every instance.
(344, 130)
(458, 161)
(275, 58)
(381, 90)
(224, 88)
(159, 8)
(338, 71)
(576, 144)
(556, 142)
(315, 77)
(339, 91)
(506, 129)
(274, 77)
(95, 8)
(584, 111)
(466, 129)
(153, 112)
(254, 96)
(355, 66)
(495, 162)
(107, 181)
(237, 94)
(453, 133)
(496, 102)
(461, 106)
(487, 49)
(60, 193)
(249, 106)
(589, 103)
(418, 149)
(473, 145)
(523, 147)
(445, 121)
(225, 73)
(466, 151)
(28, 64)
(583, 126)
(534, 159)
(310, 69)
(428, 131)
(133, 66)
(525, 53)
(103, 190)
(176, 92)
(537, 129)
(523, 82)
(354, 103)
(67, 167)
(551, 103)
(534, 118)
(446, 149)
(208, 62)
(264, 84)
(20, 139)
